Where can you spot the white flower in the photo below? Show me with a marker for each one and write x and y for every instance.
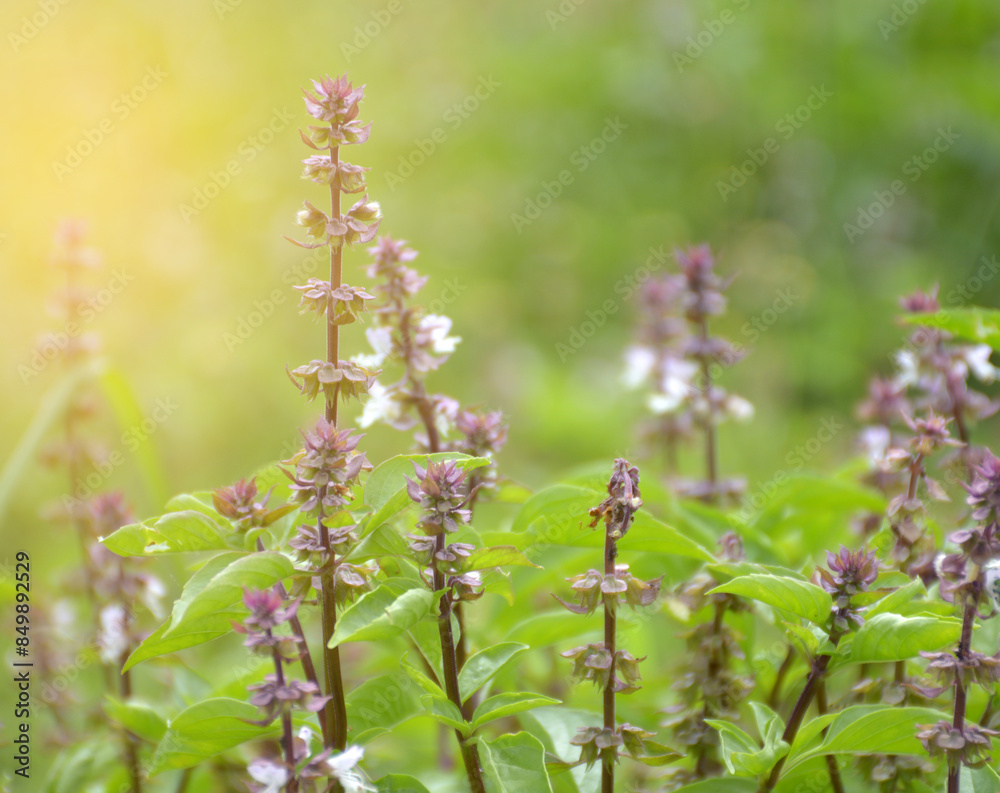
(874, 443)
(438, 327)
(380, 340)
(978, 359)
(270, 774)
(152, 595)
(638, 364)
(382, 405)
(675, 386)
(738, 408)
(909, 367)
(343, 767)
(113, 638)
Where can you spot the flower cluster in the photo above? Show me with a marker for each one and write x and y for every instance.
(612, 669)
(962, 573)
(418, 341)
(710, 684)
(276, 694)
(850, 572)
(967, 745)
(335, 102)
(913, 549)
(677, 361)
(443, 494)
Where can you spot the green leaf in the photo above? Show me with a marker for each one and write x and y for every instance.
(722, 785)
(507, 705)
(175, 532)
(480, 668)
(379, 704)
(870, 729)
(499, 556)
(377, 544)
(898, 599)
(515, 764)
(206, 729)
(559, 515)
(382, 613)
(195, 632)
(421, 679)
(975, 324)
(446, 712)
(733, 742)
(399, 783)
(212, 592)
(979, 780)
(891, 637)
(801, 598)
(137, 717)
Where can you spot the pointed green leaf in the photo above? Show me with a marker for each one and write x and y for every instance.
(399, 783)
(382, 613)
(507, 705)
(500, 556)
(891, 637)
(379, 704)
(446, 712)
(225, 587)
(421, 679)
(870, 729)
(482, 666)
(979, 780)
(898, 599)
(515, 764)
(205, 729)
(801, 598)
(195, 632)
(139, 718)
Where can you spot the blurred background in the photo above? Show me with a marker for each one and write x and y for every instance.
(127, 115)
(541, 156)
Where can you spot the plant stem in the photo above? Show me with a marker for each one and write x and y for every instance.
(819, 666)
(336, 276)
(449, 663)
(715, 663)
(779, 678)
(711, 465)
(958, 722)
(831, 762)
(287, 737)
(306, 656)
(336, 708)
(609, 755)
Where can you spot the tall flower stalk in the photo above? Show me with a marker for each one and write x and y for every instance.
(440, 491)
(335, 104)
(613, 670)
(679, 362)
(963, 578)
